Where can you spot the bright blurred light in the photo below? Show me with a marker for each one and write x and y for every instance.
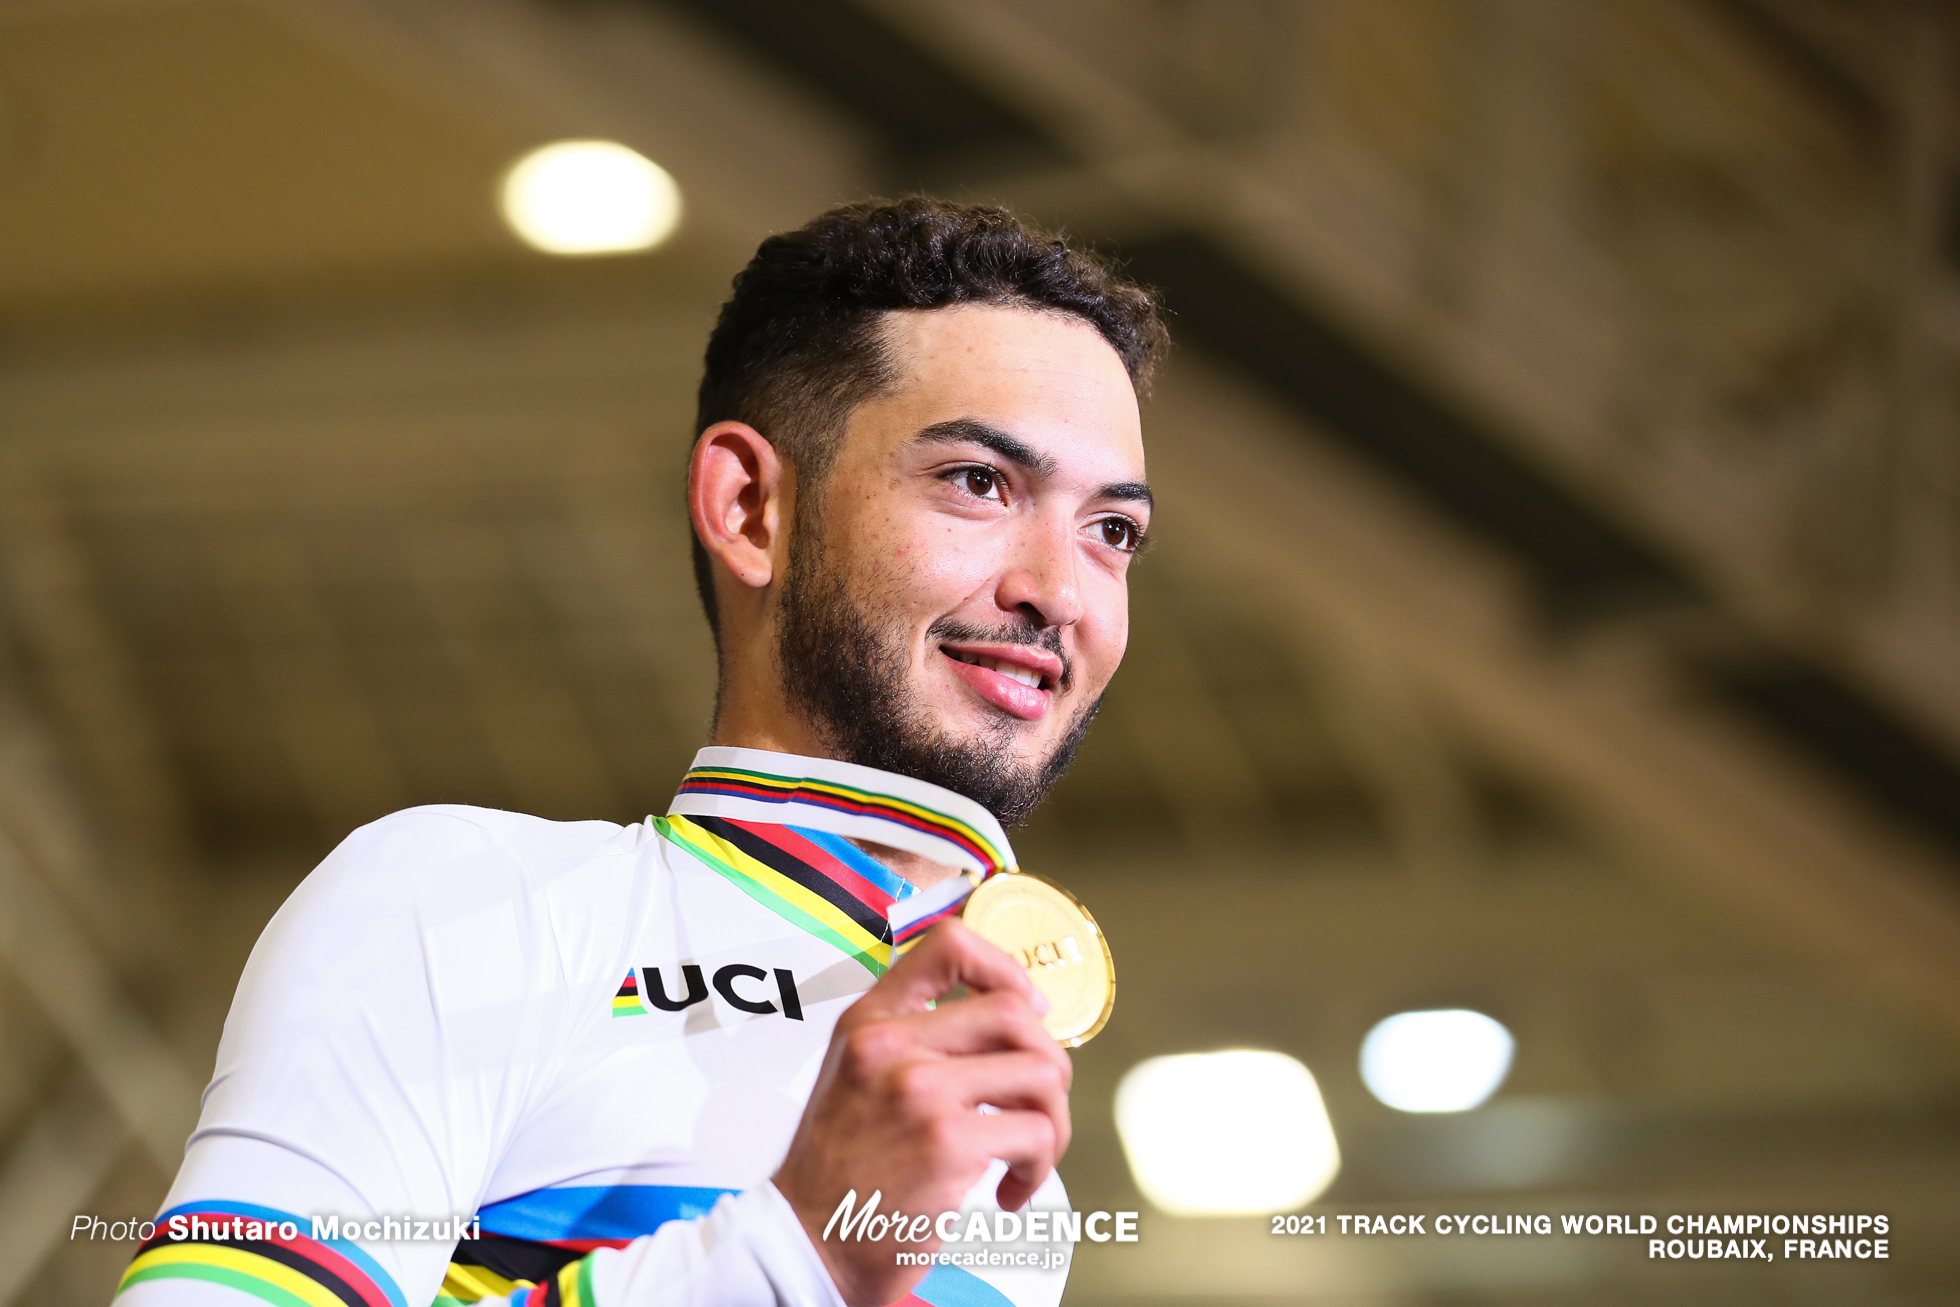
(590, 197)
(1442, 1061)
(1219, 1134)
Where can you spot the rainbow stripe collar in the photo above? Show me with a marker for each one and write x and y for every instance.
(842, 798)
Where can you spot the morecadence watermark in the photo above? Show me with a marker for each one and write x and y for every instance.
(1035, 1239)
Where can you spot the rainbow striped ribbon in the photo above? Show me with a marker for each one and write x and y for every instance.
(841, 798)
(248, 1248)
(794, 878)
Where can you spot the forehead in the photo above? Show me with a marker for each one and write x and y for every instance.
(1048, 378)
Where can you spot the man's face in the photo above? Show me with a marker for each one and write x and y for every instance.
(957, 597)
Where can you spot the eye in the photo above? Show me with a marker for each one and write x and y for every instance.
(980, 482)
(1119, 533)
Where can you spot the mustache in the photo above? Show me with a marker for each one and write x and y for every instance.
(952, 630)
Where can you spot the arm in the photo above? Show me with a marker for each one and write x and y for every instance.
(395, 1021)
(913, 1102)
(378, 1053)
(390, 1030)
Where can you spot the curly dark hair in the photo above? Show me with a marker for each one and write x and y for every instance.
(798, 347)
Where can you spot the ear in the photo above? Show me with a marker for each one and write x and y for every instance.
(737, 496)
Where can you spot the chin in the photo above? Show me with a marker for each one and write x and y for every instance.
(968, 718)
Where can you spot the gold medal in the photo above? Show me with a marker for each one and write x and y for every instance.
(1042, 927)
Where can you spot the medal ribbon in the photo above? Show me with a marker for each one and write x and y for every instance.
(733, 811)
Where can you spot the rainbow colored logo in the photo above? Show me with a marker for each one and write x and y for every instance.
(626, 1003)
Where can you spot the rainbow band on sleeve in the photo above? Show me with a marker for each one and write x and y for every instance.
(529, 1274)
(300, 1271)
(571, 1287)
(953, 1286)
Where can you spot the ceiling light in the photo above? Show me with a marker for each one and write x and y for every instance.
(1442, 1061)
(1217, 1134)
(590, 197)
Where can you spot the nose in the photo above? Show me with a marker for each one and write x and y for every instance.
(1040, 580)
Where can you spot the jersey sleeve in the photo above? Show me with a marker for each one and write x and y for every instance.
(395, 1020)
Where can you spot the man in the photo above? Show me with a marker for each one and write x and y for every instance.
(916, 489)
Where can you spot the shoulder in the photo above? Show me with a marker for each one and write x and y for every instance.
(431, 871)
(465, 900)
(434, 846)
(443, 823)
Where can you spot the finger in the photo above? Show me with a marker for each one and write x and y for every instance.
(1006, 1081)
(983, 1023)
(1014, 1192)
(1026, 1142)
(1007, 1084)
(949, 955)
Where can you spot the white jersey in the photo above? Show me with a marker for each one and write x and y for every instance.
(479, 1056)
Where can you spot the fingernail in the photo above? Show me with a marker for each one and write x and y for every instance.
(1039, 1001)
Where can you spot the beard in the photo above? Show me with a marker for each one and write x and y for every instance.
(844, 668)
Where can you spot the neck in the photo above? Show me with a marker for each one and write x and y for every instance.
(921, 871)
(751, 711)
(749, 721)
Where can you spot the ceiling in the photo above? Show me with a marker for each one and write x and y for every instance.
(237, 145)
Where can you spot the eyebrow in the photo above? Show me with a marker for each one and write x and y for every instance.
(1020, 453)
(1132, 492)
(972, 431)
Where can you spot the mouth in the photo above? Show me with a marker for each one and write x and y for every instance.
(1020, 680)
(1027, 676)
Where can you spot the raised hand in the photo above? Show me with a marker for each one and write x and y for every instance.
(896, 1108)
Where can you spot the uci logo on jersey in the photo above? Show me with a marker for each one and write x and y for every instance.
(633, 996)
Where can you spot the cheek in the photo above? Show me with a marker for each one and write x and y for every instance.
(1103, 633)
(944, 563)
(924, 570)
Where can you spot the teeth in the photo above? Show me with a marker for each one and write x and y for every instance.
(1021, 674)
(1024, 675)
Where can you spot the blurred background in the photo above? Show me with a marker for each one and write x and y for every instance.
(1555, 611)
